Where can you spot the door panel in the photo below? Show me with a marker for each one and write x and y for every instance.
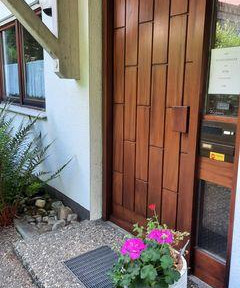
(157, 69)
(151, 76)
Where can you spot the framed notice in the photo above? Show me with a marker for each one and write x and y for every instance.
(225, 71)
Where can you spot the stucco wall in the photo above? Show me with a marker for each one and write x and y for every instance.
(73, 110)
(235, 258)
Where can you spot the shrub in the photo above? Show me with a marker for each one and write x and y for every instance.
(21, 154)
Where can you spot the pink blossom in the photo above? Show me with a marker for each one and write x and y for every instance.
(133, 247)
(152, 207)
(162, 236)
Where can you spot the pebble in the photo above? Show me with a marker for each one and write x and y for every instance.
(63, 212)
(40, 203)
(56, 205)
(59, 224)
(72, 217)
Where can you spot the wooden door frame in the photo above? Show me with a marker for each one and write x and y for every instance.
(107, 80)
(107, 118)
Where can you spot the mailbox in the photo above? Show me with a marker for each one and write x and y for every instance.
(217, 141)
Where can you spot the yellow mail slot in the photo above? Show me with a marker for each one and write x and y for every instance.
(217, 156)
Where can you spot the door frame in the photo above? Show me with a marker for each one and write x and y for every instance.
(107, 118)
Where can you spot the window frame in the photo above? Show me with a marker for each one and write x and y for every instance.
(22, 100)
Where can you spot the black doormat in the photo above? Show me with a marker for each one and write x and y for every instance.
(92, 268)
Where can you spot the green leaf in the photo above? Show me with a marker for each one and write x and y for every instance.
(149, 273)
(171, 276)
(166, 261)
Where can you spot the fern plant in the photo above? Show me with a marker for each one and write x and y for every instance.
(21, 154)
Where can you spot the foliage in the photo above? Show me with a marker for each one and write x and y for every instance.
(227, 35)
(152, 263)
(21, 155)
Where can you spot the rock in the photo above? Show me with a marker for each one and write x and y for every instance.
(29, 219)
(45, 219)
(72, 217)
(56, 205)
(63, 212)
(40, 203)
(52, 213)
(38, 219)
(51, 221)
(59, 224)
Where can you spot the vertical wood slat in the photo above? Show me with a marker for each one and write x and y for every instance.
(129, 175)
(142, 143)
(131, 32)
(118, 65)
(144, 63)
(176, 61)
(119, 13)
(146, 10)
(155, 178)
(196, 12)
(117, 188)
(130, 103)
(169, 208)
(158, 105)
(141, 198)
(185, 195)
(171, 155)
(118, 137)
(179, 7)
(188, 100)
(160, 32)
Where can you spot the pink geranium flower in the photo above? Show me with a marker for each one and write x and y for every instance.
(133, 247)
(162, 236)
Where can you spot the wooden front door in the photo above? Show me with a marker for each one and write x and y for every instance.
(157, 66)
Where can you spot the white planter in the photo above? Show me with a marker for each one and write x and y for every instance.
(182, 282)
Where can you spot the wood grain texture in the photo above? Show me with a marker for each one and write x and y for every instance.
(146, 10)
(130, 103)
(144, 66)
(158, 105)
(179, 7)
(209, 269)
(185, 193)
(180, 119)
(141, 198)
(176, 61)
(129, 175)
(117, 188)
(118, 138)
(171, 155)
(189, 99)
(155, 178)
(119, 13)
(169, 208)
(220, 173)
(142, 143)
(131, 32)
(118, 65)
(160, 32)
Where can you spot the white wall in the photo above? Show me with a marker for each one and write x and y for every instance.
(69, 111)
(235, 258)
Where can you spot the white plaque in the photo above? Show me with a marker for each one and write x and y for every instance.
(225, 71)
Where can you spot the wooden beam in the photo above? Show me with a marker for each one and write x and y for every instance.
(34, 25)
(65, 48)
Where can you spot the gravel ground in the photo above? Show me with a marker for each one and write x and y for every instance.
(43, 256)
(12, 273)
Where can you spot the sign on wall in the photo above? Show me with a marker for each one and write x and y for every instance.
(225, 71)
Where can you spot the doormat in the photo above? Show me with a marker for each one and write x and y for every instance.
(92, 268)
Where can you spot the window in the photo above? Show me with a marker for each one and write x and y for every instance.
(22, 66)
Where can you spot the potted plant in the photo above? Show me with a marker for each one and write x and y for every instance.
(151, 258)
